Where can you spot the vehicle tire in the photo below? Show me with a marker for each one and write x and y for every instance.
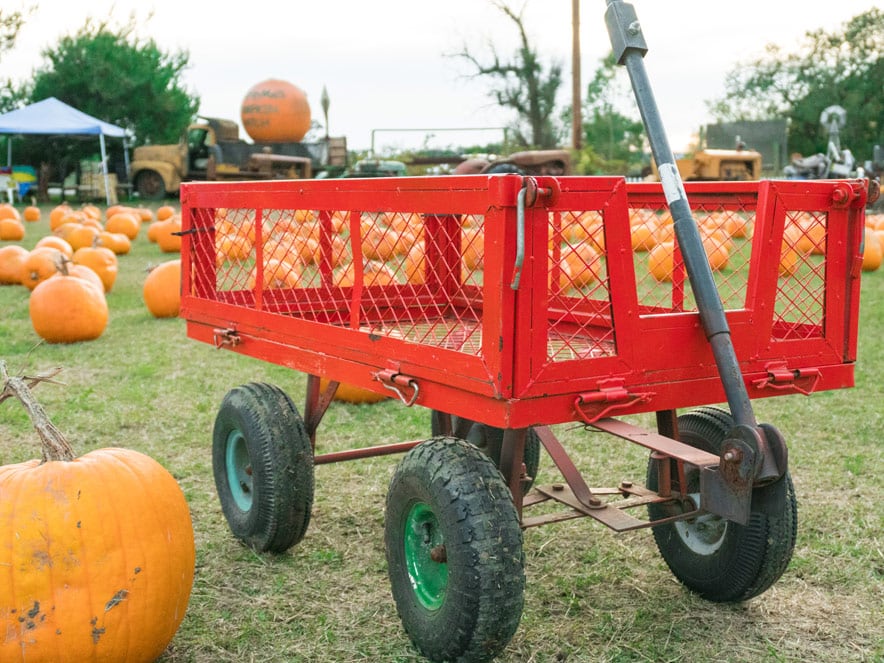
(263, 466)
(454, 552)
(721, 560)
(150, 185)
(489, 439)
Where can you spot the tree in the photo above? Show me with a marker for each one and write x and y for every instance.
(120, 78)
(614, 140)
(10, 24)
(524, 85)
(841, 67)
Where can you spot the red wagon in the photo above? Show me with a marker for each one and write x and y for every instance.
(504, 305)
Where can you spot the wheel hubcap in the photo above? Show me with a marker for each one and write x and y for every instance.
(425, 557)
(703, 534)
(239, 470)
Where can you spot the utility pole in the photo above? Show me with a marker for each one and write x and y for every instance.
(576, 120)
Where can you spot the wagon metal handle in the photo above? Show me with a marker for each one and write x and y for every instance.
(527, 197)
(396, 382)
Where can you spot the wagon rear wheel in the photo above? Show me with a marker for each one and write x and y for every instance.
(263, 466)
(489, 440)
(722, 560)
(454, 552)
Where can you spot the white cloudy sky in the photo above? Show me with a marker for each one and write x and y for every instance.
(385, 64)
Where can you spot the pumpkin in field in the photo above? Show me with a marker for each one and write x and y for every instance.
(31, 213)
(11, 230)
(127, 223)
(56, 242)
(11, 259)
(374, 273)
(162, 289)
(69, 307)
(276, 274)
(103, 562)
(275, 111)
(57, 214)
(80, 235)
(7, 211)
(872, 251)
(350, 393)
(165, 235)
(116, 242)
(164, 212)
(661, 261)
(39, 265)
(100, 260)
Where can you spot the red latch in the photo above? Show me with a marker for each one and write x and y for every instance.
(615, 396)
(781, 377)
(225, 338)
(396, 382)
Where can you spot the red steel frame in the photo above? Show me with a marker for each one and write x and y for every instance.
(651, 358)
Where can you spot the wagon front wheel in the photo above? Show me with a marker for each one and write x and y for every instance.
(454, 552)
(262, 461)
(722, 560)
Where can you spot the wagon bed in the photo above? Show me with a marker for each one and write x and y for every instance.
(436, 308)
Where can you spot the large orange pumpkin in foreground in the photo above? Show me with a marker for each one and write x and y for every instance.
(102, 564)
(275, 111)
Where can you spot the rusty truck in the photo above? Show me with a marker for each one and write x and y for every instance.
(211, 149)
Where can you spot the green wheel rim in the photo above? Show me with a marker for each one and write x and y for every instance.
(429, 578)
(239, 470)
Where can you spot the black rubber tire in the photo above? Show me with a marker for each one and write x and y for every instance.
(150, 185)
(489, 439)
(723, 561)
(263, 466)
(476, 595)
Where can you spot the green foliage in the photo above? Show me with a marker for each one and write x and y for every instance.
(523, 84)
(843, 67)
(613, 139)
(115, 75)
(10, 24)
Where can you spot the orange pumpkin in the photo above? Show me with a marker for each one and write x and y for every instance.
(56, 242)
(100, 260)
(276, 274)
(39, 265)
(162, 290)
(81, 235)
(872, 251)
(12, 257)
(165, 235)
(275, 111)
(11, 230)
(67, 309)
(108, 586)
(661, 261)
(116, 242)
(31, 213)
(164, 212)
(57, 214)
(350, 393)
(127, 223)
(7, 211)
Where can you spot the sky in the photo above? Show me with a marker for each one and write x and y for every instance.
(390, 69)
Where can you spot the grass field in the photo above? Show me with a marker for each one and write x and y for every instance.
(592, 595)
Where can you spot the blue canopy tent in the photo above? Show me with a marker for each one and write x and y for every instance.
(53, 117)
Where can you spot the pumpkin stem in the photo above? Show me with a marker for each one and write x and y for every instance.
(54, 445)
